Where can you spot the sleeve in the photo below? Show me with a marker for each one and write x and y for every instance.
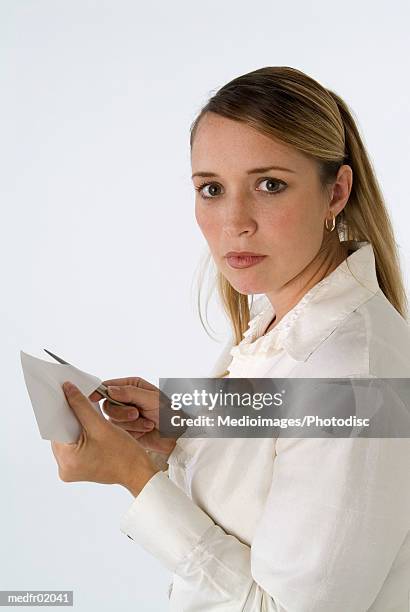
(335, 517)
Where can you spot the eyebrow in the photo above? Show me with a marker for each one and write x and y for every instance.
(253, 171)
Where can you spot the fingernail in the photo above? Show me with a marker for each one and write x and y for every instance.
(69, 388)
(148, 425)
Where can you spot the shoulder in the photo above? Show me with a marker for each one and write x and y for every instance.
(373, 340)
(388, 338)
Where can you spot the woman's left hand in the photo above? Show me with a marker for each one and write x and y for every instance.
(103, 453)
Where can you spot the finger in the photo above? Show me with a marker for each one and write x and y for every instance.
(143, 437)
(141, 425)
(129, 394)
(134, 381)
(82, 407)
(95, 396)
(137, 434)
(119, 413)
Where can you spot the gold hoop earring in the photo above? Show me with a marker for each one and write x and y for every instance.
(333, 224)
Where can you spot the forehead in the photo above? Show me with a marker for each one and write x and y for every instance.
(222, 142)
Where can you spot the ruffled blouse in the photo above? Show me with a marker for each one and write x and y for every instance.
(271, 343)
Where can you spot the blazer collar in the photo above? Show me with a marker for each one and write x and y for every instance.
(322, 308)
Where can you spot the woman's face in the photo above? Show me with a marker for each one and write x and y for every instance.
(278, 213)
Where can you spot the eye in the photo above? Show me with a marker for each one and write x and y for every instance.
(272, 181)
(202, 186)
(213, 188)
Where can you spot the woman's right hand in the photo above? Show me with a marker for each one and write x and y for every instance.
(141, 420)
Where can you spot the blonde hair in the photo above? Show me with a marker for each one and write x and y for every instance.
(290, 106)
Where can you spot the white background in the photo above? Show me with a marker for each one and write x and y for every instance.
(99, 244)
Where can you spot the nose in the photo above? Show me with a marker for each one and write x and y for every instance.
(238, 219)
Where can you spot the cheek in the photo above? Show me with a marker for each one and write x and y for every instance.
(294, 223)
(206, 222)
(282, 225)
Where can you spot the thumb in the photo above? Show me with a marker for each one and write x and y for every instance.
(81, 405)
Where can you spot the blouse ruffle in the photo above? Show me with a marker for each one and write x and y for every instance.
(253, 342)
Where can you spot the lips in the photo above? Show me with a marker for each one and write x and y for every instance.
(244, 261)
(243, 254)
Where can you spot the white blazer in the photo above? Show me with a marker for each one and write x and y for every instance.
(292, 524)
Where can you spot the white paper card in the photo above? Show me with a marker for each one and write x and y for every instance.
(55, 418)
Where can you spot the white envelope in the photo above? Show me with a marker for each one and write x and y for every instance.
(55, 418)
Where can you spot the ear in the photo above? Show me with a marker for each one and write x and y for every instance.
(341, 189)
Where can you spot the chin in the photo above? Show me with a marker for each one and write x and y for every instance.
(245, 283)
(248, 288)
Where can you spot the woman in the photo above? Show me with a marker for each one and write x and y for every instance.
(286, 524)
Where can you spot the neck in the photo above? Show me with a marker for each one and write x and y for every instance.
(329, 257)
